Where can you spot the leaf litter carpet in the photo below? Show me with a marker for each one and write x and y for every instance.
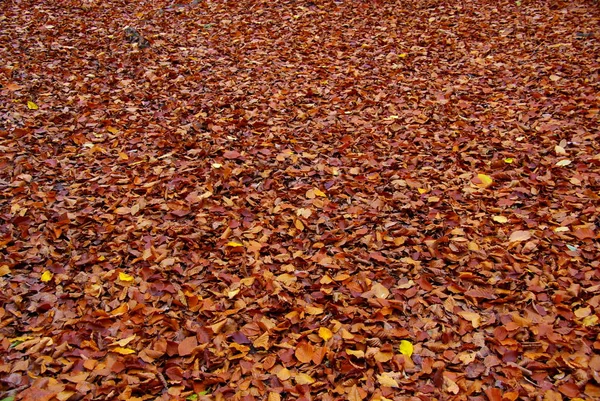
(299, 200)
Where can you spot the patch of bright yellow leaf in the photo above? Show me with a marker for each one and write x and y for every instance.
(320, 193)
(46, 276)
(422, 190)
(32, 106)
(234, 244)
(123, 351)
(509, 160)
(325, 333)
(125, 277)
(406, 348)
(485, 180)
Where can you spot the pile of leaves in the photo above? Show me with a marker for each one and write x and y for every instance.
(299, 200)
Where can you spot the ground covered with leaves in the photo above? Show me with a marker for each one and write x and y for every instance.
(299, 200)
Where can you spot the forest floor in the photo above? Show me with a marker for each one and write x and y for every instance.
(300, 200)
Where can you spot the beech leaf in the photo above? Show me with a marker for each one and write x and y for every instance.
(406, 348)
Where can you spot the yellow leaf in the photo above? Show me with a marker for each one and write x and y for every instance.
(112, 130)
(406, 348)
(303, 378)
(32, 106)
(325, 333)
(284, 374)
(217, 165)
(123, 342)
(234, 244)
(356, 353)
(590, 321)
(233, 293)
(125, 277)
(46, 276)
(4, 270)
(486, 180)
(422, 190)
(386, 380)
(123, 351)
(509, 160)
(402, 55)
(500, 219)
(320, 193)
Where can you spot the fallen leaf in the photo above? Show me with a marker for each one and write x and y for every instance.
(284, 374)
(520, 235)
(563, 163)
(406, 348)
(187, 346)
(125, 277)
(303, 378)
(500, 219)
(484, 181)
(32, 106)
(46, 276)
(325, 333)
(123, 351)
(387, 380)
(304, 352)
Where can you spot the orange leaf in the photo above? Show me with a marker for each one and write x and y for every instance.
(304, 352)
(186, 347)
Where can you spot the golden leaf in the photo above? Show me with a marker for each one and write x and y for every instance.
(4, 270)
(356, 353)
(262, 341)
(125, 277)
(284, 374)
(509, 160)
(123, 342)
(406, 348)
(303, 378)
(123, 351)
(325, 333)
(386, 380)
(590, 321)
(32, 106)
(485, 181)
(320, 193)
(46, 276)
(234, 244)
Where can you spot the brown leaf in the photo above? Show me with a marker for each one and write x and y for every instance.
(520, 236)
